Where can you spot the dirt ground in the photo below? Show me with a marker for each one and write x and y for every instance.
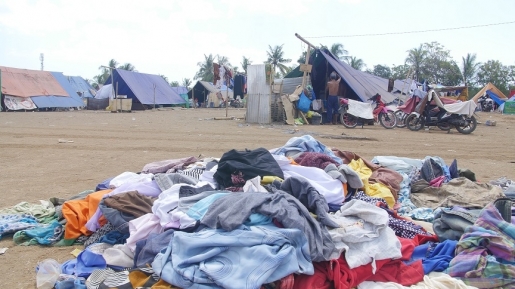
(34, 165)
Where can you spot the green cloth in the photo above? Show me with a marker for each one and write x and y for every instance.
(43, 212)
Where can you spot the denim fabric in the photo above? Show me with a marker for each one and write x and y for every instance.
(119, 220)
(243, 258)
(449, 224)
(332, 107)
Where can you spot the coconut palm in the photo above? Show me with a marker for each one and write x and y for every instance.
(338, 51)
(223, 60)
(186, 82)
(356, 63)
(469, 67)
(276, 58)
(245, 62)
(416, 58)
(205, 71)
(127, 66)
(174, 83)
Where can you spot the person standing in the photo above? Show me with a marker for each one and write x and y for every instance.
(332, 100)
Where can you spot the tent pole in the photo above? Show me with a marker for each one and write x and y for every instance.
(154, 85)
(227, 98)
(193, 96)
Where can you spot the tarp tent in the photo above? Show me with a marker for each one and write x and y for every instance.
(359, 85)
(45, 89)
(508, 107)
(183, 92)
(140, 87)
(81, 86)
(492, 91)
(201, 91)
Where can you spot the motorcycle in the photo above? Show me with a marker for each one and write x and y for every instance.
(404, 110)
(353, 112)
(431, 111)
(486, 104)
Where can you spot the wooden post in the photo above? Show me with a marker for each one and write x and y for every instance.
(305, 72)
(227, 98)
(154, 85)
(193, 97)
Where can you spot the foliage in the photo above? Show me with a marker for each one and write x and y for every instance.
(356, 63)
(165, 78)
(381, 70)
(186, 82)
(127, 66)
(400, 71)
(276, 58)
(416, 58)
(498, 74)
(469, 67)
(205, 71)
(245, 62)
(174, 83)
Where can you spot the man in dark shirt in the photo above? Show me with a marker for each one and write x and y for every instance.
(332, 100)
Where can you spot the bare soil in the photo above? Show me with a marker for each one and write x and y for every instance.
(35, 165)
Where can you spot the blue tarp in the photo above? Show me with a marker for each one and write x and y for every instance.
(47, 101)
(80, 85)
(495, 97)
(140, 87)
(180, 89)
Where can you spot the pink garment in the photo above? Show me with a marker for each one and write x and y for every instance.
(141, 228)
(168, 166)
(437, 182)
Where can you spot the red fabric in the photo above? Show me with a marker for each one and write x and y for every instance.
(336, 274)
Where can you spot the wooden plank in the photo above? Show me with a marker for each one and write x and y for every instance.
(288, 109)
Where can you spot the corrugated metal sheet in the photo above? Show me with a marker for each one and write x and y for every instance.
(140, 86)
(256, 80)
(47, 101)
(288, 85)
(27, 83)
(258, 108)
(81, 86)
(258, 95)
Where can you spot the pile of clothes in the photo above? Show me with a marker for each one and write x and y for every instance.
(299, 216)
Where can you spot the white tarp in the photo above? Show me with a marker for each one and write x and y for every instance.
(361, 109)
(105, 92)
(18, 103)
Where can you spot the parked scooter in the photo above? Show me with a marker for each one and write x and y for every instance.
(404, 110)
(354, 112)
(432, 112)
(486, 103)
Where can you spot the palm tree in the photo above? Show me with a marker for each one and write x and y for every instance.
(469, 67)
(338, 51)
(276, 58)
(186, 82)
(205, 71)
(223, 60)
(164, 77)
(127, 66)
(174, 83)
(356, 63)
(416, 58)
(245, 62)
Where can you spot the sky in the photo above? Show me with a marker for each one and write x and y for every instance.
(170, 37)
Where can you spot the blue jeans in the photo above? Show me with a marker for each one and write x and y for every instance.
(332, 107)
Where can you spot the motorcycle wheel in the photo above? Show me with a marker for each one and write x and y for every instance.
(414, 123)
(444, 126)
(469, 127)
(348, 120)
(401, 118)
(388, 120)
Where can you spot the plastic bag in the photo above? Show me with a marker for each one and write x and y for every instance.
(48, 272)
(304, 103)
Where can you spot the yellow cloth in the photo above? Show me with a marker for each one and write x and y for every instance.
(376, 190)
(269, 179)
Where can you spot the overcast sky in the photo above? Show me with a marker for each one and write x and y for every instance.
(170, 37)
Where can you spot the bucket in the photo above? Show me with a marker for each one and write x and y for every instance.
(316, 120)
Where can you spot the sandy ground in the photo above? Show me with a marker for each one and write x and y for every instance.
(34, 165)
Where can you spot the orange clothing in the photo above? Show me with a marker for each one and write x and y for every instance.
(78, 212)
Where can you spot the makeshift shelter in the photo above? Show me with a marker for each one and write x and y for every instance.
(508, 107)
(208, 95)
(144, 89)
(45, 89)
(355, 84)
(81, 86)
(183, 92)
(493, 92)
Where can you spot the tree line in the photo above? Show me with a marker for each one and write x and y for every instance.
(429, 62)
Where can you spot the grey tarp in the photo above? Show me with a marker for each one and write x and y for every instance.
(363, 84)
